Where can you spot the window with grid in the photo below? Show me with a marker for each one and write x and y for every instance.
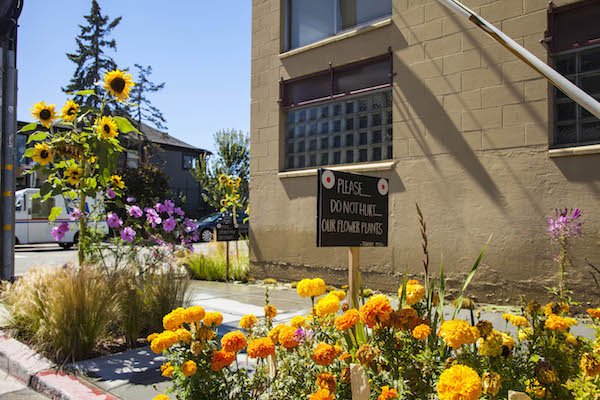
(339, 116)
(573, 37)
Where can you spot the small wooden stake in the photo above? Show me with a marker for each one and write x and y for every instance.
(353, 284)
(227, 261)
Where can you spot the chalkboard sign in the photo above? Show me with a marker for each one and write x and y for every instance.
(352, 210)
(227, 229)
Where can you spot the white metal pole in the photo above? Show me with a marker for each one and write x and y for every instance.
(566, 86)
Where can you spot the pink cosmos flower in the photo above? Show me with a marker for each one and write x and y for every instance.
(128, 234)
(113, 220)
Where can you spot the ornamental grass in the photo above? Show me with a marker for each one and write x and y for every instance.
(213, 266)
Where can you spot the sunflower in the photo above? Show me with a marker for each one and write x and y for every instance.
(42, 154)
(69, 111)
(117, 181)
(118, 83)
(73, 174)
(44, 113)
(106, 128)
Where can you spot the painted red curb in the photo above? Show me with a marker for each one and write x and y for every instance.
(65, 386)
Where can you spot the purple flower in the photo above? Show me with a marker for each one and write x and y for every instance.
(113, 220)
(189, 226)
(131, 199)
(169, 207)
(565, 224)
(135, 211)
(152, 217)
(179, 211)
(59, 232)
(76, 214)
(111, 194)
(128, 234)
(160, 208)
(301, 335)
(169, 224)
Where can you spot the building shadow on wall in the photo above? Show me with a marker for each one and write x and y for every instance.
(581, 169)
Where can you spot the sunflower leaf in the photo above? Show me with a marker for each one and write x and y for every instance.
(124, 125)
(28, 127)
(29, 152)
(38, 136)
(54, 213)
(87, 92)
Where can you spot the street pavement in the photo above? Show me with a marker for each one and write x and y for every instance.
(11, 389)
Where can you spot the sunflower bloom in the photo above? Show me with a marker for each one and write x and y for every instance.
(69, 111)
(44, 113)
(117, 181)
(73, 175)
(118, 83)
(106, 127)
(459, 382)
(42, 154)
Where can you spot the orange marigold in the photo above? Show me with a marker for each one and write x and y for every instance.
(404, 319)
(213, 319)
(324, 354)
(376, 310)
(414, 292)
(274, 333)
(248, 321)
(221, 359)
(421, 332)
(270, 311)
(233, 341)
(516, 320)
(594, 312)
(327, 305)
(459, 382)
(326, 380)
(557, 323)
(161, 397)
(387, 393)
(184, 336)
(166, 370)
(261, 348)
(189, 368)
(457, 333)
(348, 320)
(173, 320)
(287, 337)
(322, 394)
(194, 314)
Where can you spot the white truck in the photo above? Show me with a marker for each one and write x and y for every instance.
(31, 219)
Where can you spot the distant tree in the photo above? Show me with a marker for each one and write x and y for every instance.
(91, 56)
(232, 158)
(147, 184)
(143, 110)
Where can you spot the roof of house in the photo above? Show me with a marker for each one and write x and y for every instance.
(163, 138)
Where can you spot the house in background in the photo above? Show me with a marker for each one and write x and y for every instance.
(173, 156)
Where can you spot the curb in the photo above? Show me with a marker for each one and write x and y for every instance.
(40, 374)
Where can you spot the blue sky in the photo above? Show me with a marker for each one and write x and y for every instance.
(201, 49)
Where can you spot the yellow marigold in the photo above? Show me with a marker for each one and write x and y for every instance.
(594, 312)
(221, 359)
(491, 383)
(213, 319)
(326, 380)
(535, 389)
(298, 321)
(558, 323)
(491, 346)
(233, 341)
(507, 341)
(194, 314)
(387, 393)
(327, 305)
(459, 382)
(590, 364)
(189, 368)
(516, 320)
(196, 347)
(106, 127)
(556, 308)
(69, 111)
(322, 394)
(204, 334)
(571, 339)
(274, 333)
(173, 320)
(161, 397)
(42, 154)
(457, 333)
(340, 294)
(184, 336)
(311, 287)
(348, 320)
(545, 373)
(261, 348)
(163, 341)
(44, 113)
(324, 354)
(404, 319)
(248, 321)
(151, 337)
(270, 311)
(118, 83)
(421, 332)
(287, 337)
(414, 292)
(376, 310)
(167, 370)
(523, 334)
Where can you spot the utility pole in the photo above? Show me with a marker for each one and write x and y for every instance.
(9, 14)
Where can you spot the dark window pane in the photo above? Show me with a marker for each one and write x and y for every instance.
(590, 60)
(324, 143)
(591, 84)
(376, 154)
(312, 128)
(324, 158)
(357, 12)
(388, 119)
(337, 110)
(316, 87)
(363, 122)
(349, 107)
(312, 160)
(301, 162)
(324, 128)
(376, 119)
(300, 130)
(337, 141)
(324, 111)
(312, 114)
(337, 158)
(350, 140)
(376, 137)
(566, 134)
(377, 102)
(389, 153)
(290, 162)
(349, 124)
(291, 131)
(301, 116)
(290, 147)
(337, 125)
(566, 64)
(565, 111)
(300, 148)
(590, 132)
(362, 155)
(362, 77)
(310, 21)
(362, 139)
(349, 156)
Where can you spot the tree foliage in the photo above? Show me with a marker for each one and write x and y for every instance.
(91, 57)
(147, 184)
(143, 110)
(232, 159)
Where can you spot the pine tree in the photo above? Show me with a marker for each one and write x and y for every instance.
(144, 110)
(91, 55)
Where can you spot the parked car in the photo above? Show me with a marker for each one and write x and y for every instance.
(207, 225)
(32, 225)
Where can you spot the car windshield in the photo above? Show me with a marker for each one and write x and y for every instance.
(210, 218)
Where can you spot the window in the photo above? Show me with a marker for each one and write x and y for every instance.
(309, 21)
(189, 161)
(573, 37)
(339, 116)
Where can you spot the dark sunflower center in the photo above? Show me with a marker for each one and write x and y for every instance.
(45, 114)
(44, 154)
(71, 111)
(106, 128)
(118, 84)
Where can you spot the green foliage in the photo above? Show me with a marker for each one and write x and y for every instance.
(146, 184)
(212, 266)
(232, 159)
(143, 110)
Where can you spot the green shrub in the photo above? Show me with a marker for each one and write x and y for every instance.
(212, 266)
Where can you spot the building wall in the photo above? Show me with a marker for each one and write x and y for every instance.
(471, 131)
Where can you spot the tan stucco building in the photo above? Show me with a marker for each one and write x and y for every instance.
(462, 127)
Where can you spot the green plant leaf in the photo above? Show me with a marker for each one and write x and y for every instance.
(86, 92)
(28, 153)
(29, 127)
(35, 195)
(38, 136)
(45, 189)
(54, 213)
(124, 125)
